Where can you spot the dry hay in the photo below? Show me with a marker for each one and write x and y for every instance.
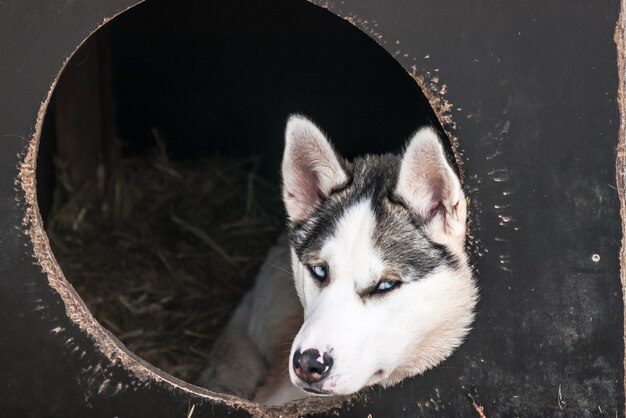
(165, 259)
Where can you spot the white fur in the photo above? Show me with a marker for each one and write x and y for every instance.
(402, 333)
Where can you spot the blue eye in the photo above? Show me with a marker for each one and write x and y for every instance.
(319, 272)
(386, 286)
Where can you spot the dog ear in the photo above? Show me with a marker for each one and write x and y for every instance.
(429, 185)
(310, 169)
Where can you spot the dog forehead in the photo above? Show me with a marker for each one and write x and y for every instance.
(351, 249)
(371, 178)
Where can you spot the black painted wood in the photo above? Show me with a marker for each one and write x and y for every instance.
(533, 87)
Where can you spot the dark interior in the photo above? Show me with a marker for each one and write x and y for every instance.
(225, 76)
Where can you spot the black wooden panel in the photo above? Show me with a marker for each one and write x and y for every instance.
(533, 89)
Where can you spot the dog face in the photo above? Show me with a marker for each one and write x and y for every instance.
(378, 260)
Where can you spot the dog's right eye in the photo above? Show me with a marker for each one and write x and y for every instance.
(318, 272)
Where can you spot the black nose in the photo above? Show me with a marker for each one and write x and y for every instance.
(308, 367)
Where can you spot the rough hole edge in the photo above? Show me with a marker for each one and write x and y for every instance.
(103, 340)
(620, 159)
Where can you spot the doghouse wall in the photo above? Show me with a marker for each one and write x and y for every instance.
(532, 89)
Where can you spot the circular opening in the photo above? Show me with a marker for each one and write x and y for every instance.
(159, 160)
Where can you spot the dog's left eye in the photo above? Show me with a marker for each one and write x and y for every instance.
(319, 272)
(386, 286)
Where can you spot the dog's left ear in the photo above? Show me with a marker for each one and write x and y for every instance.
(311, 168)
(431, 188)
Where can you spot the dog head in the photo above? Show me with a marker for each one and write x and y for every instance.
(378, 260)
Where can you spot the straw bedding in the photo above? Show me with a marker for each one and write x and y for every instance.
(166, 253)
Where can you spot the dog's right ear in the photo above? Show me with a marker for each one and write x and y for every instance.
(310, 169)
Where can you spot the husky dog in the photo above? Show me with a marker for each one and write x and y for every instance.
(383, 290)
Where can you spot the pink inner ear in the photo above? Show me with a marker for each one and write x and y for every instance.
(304, 189)
(437, 188)
(436, 206)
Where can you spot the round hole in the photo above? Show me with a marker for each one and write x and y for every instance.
(158, 168)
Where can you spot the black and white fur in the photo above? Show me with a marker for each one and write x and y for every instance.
(383, 290)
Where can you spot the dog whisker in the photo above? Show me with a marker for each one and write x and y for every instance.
(279, 268)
